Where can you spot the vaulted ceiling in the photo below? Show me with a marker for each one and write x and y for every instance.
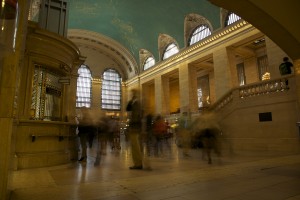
(137, 24)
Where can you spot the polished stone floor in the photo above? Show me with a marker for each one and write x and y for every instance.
(169, 176)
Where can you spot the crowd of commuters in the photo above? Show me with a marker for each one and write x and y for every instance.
(154, 132)
(149, 135)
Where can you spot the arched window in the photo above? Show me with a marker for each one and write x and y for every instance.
(199, 33)
(111, 90)
(170, 51)
(84, 86)
(231, 18)
(150, 62)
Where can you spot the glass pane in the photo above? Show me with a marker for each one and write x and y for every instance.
(170, 51)
(84, 86)
(150, 62)
(111, 90)
(231, 18)
(199, 34)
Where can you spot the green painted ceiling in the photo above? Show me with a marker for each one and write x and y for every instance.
(136, 24)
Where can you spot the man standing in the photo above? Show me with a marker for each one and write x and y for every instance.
(135, 125)
(285, 68)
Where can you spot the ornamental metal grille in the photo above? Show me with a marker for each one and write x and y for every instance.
(46, 95)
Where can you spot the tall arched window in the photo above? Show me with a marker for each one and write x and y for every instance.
(231, 18)
(111, 90)
(150, 62)
(84, 86)
(199, 33)
(170, 51)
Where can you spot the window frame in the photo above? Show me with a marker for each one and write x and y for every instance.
(87, 88)
(263, 66)
(146, 63)
(111, 101)
(165, 54)
(198, 35)
(240, 68)
(234, 18)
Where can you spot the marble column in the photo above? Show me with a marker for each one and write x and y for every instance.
(10, 66)
(184, 88)
(158, 95)
(225, 71)
(297, 75)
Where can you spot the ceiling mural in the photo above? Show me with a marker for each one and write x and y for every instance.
(137, 24)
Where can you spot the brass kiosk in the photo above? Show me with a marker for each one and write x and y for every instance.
(45, 119)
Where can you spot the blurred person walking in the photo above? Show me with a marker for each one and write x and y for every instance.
(102, 135)
(114, 133)
(184, 124)
(149, 133)
(86, 133)
(207, 129)
(135, 128)
(160, 133)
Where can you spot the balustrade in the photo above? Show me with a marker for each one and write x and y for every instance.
(251, 90)
(264, 87)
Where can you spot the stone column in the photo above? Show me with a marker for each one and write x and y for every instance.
(193, 83)
(9, 67)
(124, 101)
(251, 70)
(70, 98)
(165, 95)
(275, 57)
(225, 71)
(184, 88)
(158, 95)
(96, 93)
(297, 76)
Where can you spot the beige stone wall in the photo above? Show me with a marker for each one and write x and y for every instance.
(243, 132)
(275, 57)
(251, 70)
(222, 72)
(174, 97)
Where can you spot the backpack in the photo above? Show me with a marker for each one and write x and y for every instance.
(283, 68)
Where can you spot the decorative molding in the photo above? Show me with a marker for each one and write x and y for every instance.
(189, 52)
(106, 46)
(144, 54)
(163, 41)
(191, 22)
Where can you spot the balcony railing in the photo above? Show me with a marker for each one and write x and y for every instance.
(255, 89)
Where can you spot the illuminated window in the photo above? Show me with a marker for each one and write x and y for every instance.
(84, 86)
(241, 74)
(200, 33)
(170, 51)
(111, 90)
(150, 62)
(231, 18)
(262, 63)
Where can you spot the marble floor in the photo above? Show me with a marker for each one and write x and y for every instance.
(170, 176)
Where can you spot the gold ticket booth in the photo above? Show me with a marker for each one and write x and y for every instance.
(45, 126)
